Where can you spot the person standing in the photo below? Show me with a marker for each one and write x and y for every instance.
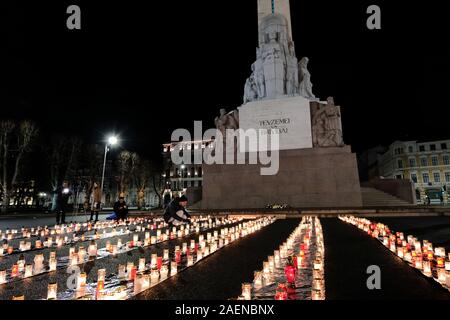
(96, 199)
(63, 194)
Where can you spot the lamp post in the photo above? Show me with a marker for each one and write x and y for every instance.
(111, 141)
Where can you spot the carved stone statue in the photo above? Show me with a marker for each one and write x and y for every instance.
(250, 90)
(305, 87)
(227, 121)
(327, 125)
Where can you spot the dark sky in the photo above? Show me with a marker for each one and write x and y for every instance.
(143, 70)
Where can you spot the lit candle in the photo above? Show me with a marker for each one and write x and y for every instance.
(441, 275)
(154, 260)
(199, 255)
(247, 291)
(164, 272)
(2, 276)
(121, 272)
(153, 240)
(427, 267)
(257, 279)
(266, 267)
(92, 249)
(289, 272)
(190, 260)
(271, 263)
(141, 264)
(130, 267)
(281, 293)
(38, 263)
(173, 267)
(52, 291)
(154, 276)
(28, 270)
(81, 254)
(81, 283)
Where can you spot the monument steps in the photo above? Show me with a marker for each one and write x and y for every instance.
(372, 197)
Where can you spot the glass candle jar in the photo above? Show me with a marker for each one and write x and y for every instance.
(164, 271)
(52, 291)
(2, 276)
(173, 267)
(247, 291)
(257, 281)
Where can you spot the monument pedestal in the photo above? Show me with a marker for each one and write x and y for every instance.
(307, 178)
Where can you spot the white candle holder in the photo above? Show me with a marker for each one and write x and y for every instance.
(173, 267)
(164, 272)
(52, 291)
(247, 291)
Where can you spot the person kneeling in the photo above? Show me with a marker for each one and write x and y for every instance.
(175, 213)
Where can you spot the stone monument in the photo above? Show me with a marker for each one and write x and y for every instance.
(316, 168)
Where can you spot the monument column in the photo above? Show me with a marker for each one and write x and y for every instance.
(266, 7)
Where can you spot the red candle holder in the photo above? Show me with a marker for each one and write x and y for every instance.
(289, 272)
(281, 293)
(159, 263)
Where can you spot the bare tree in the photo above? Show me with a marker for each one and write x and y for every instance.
(6, 129)
(126, 163)
(63, 154)
(16, 142)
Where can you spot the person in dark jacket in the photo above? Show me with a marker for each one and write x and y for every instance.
(121, 209)
(63, 194)
(175, 213)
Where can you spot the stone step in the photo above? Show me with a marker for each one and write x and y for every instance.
(376, 198)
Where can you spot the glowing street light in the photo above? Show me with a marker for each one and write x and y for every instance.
(112, 140)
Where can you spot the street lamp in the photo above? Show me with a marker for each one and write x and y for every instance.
(111, 141)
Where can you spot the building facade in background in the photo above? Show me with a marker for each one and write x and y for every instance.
(183, 179)
(427, 164)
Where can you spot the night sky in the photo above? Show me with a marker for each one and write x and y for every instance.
(143, 70)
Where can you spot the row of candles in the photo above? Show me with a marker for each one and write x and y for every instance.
(302, 236)
(432, 262)
(76, 257)
(59, 236)
(23, 270)
(141, 225)
(144, 276)
(43, 231)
